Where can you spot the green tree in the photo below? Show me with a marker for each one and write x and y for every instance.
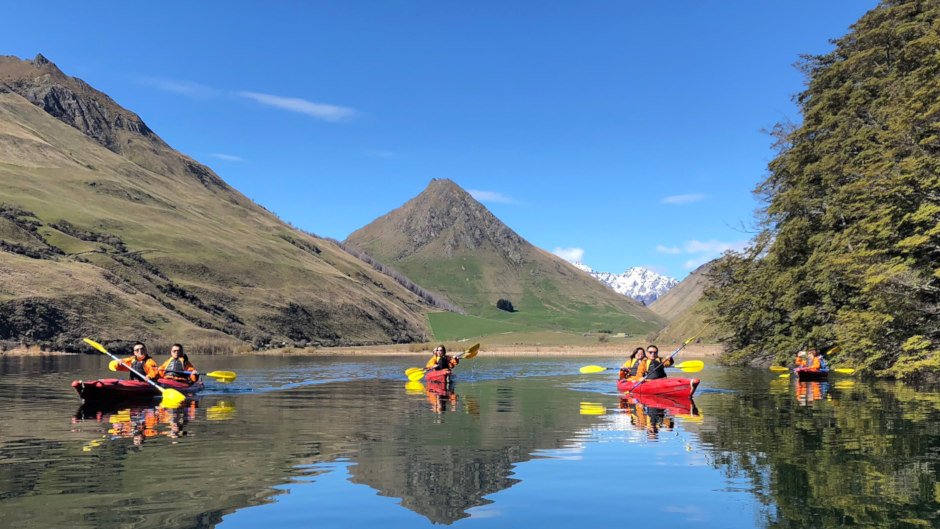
(850, 240)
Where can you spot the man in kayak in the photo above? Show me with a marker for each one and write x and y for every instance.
(141, 362)
(629, 368)
(178, 367)
(653, 367)
(440, 360)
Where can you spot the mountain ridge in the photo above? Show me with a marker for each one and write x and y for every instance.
(106, 231)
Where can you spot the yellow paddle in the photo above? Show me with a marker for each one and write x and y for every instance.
(779, 368)
(417, 373)
(689, 366)
(171, 397)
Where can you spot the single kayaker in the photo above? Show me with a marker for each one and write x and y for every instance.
(178, 367)
(653, 368)
(141, 362)
(629, 368)
(440, 360)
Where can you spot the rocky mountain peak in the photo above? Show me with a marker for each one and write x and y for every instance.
(446, 212)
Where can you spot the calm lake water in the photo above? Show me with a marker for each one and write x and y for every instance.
(340, 442)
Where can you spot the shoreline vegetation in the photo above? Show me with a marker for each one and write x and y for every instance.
(699, 350)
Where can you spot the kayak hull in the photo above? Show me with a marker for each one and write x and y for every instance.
(113, 389)
(808, 375)
(674, 388)
(438, 375)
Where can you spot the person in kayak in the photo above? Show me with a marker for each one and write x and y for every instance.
(177, 366)
(629, 368)
(800, 359)
(653, 368)
(141, 362)
(440, 360)
(816, 361)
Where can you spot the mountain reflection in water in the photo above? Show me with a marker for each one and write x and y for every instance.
(798, 456)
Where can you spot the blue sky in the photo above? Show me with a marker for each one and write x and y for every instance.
(623, 133)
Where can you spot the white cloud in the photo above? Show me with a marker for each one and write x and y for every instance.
(681, 200)
(491, 196)
(185, 88)
(572, 255)
(226, 157)
(302, 106)
(667, 249)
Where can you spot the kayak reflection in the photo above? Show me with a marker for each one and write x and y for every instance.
(809, 392)
(137, 422)
(653, 413)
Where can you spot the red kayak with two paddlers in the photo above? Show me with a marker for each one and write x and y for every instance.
(113, 389)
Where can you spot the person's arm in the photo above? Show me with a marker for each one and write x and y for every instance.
(194, 376)
(641, 369)
(122, 365)
(151, 369)
(452, 361)
(161, 371)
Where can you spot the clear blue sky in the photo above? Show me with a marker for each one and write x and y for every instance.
(628, 132)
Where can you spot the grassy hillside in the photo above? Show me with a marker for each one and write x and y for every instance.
(106, 231)
(448, 242)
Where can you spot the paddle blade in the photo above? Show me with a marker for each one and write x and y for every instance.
(225, 380)
(691, 366)
(96, 345)
(414, 387)
(222, 411)
(779, 368)
(473, 351)
(411, 370)
(592, 408)
(785, 375)
(593, 369)
(228, 376)
(172, 398)
(844, 370)
(417, 375)
(113, 365)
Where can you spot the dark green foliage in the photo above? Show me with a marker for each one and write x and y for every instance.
(850, 245)
(505, 304)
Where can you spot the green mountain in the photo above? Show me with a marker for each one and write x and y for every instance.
(106, 231)
(851, 242)
(449, 243)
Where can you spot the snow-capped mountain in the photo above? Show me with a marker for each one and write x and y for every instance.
(638, 283)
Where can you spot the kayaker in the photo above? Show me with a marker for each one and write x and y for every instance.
(440, 360)
(177, 365)
(141, 362)
(629, 368)
(653, 368)
(800, 359)
(816, 362)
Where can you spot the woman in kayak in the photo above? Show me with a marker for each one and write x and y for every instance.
(178, 366)
(440, 360)
(141, 362)
(653, 367)
(629, 368)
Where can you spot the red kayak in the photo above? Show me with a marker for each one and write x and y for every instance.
(664, 387)
(437, 375)
(805, 374)
(113, 389)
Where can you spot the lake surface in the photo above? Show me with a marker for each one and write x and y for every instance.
(341, 442)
